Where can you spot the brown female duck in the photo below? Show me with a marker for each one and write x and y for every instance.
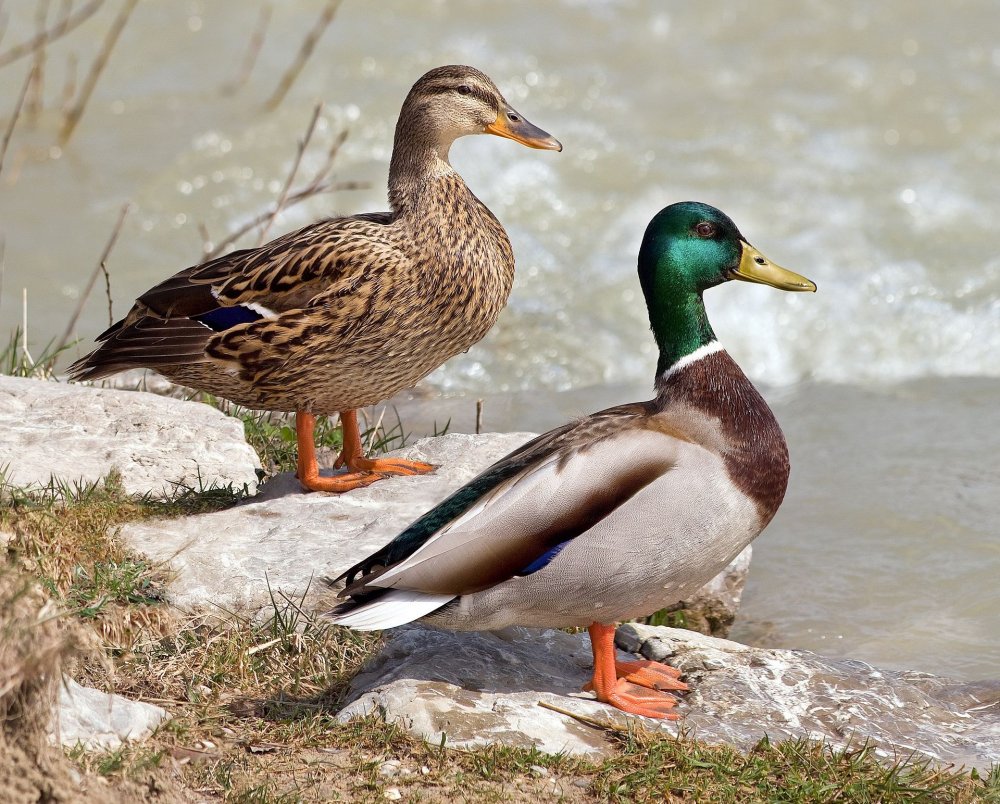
(348, 311)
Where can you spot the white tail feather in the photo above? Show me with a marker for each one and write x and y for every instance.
(395, 607)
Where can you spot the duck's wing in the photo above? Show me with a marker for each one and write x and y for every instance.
(281, 275)
(513, 518)
(175, 321)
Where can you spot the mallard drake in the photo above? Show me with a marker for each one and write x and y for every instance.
(616, 515)
(348, 311)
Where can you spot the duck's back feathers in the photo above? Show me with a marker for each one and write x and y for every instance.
(516, 516)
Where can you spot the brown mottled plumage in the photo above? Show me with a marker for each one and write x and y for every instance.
(616, 515)
(348, 310)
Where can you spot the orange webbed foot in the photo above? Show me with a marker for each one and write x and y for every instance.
(352, 456)
(654, 675)
(388, 466)
(637, 687)
(338, 484)
(636, 700)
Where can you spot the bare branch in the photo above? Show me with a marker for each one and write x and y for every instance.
(303, 144)
(253, 51)
(69, 84)
(319, 184)
(308, 46)
(295, 198)
(93, 278)
(33, 102)
(4, 19)
(17, 113)
(206, 240)
(74, 114)
(60, 29)
(107, 293)
(3, 263)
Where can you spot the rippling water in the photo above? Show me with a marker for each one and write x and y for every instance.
(855, 143)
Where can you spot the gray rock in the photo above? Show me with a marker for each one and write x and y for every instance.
(475, 689)
(481, 688)
(286, 540)
(157, 444)
(101, 721)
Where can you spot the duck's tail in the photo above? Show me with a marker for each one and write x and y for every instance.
(147, 343)
(395, 607)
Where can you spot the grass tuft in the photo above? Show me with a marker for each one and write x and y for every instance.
(16, 361)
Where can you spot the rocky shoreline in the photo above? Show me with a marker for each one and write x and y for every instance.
(284, 541)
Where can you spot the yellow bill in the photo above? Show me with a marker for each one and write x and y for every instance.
(755, 267)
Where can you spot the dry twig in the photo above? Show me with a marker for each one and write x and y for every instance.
(69, 84)
(253, 51)
(295, 198)
(60, 29)
(604, 725)
(308, 46)
(283, 198)
(319, 184)
(3, 263)
(74, 114)
(101, 266)
(13, 118)
(33, 102)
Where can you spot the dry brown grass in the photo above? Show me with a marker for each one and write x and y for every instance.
(36, 641)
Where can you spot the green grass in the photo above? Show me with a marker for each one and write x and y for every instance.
(15, 360)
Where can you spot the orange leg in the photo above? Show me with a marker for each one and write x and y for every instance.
(353, 458)
(308, 468)
(625, 692)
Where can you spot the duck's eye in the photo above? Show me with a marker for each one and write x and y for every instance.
(463, 89)
(705, 229)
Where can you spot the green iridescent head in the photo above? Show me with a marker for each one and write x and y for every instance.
(690, 247)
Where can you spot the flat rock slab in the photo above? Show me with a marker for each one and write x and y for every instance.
(98, 720)
(286, 540)
(481, 688)
(157, 444)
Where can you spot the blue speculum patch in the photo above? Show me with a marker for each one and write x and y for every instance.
(544, 559)
(223, 318)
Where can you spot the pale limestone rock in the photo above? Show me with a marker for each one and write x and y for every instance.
(157, 444)
(288, 540)
(482, 688)
(101, 721)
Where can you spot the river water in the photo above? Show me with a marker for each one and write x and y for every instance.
(855, 143)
